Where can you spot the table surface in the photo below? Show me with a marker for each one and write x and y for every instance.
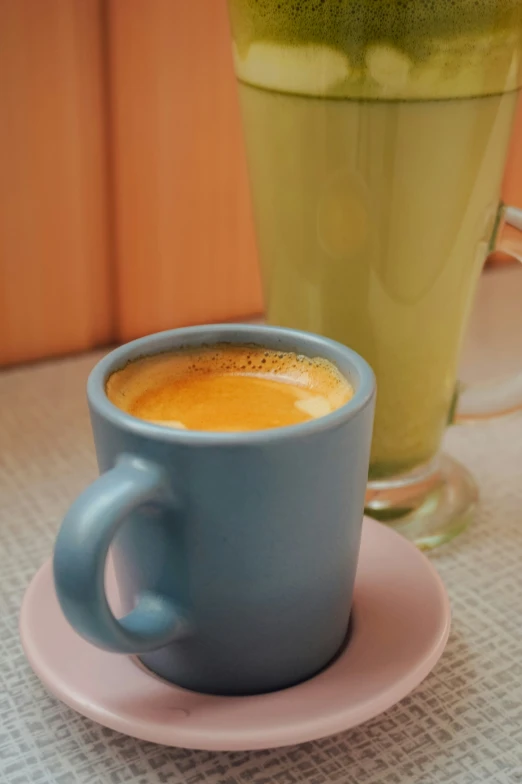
(462, 725)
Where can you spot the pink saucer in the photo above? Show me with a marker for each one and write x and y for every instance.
(400, 627)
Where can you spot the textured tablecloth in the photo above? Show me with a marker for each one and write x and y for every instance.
(462, 725)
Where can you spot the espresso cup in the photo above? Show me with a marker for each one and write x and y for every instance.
(234, 553)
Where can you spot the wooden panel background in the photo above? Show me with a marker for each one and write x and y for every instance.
(512, 187)
(54, 260)
(185, 250)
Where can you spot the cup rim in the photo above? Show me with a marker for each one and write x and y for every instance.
(307, 343)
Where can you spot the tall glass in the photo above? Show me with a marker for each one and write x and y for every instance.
(376, 134)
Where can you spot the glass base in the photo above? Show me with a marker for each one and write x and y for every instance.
(429, 506)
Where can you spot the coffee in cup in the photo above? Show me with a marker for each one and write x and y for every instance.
(228, 388)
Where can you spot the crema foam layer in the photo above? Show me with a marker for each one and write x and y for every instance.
(381, 49)
(228, 388)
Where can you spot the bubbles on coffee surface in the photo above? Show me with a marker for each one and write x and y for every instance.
(228, 388)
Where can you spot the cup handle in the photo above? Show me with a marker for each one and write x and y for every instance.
(81, 551)
(504, 396)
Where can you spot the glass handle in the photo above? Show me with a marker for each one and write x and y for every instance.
(502, 396)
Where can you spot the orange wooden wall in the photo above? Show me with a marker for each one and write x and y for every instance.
(512, 186)
(185, 250)
(54, 251)
(124, 202)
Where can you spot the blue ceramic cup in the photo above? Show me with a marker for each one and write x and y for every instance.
(235, 553)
